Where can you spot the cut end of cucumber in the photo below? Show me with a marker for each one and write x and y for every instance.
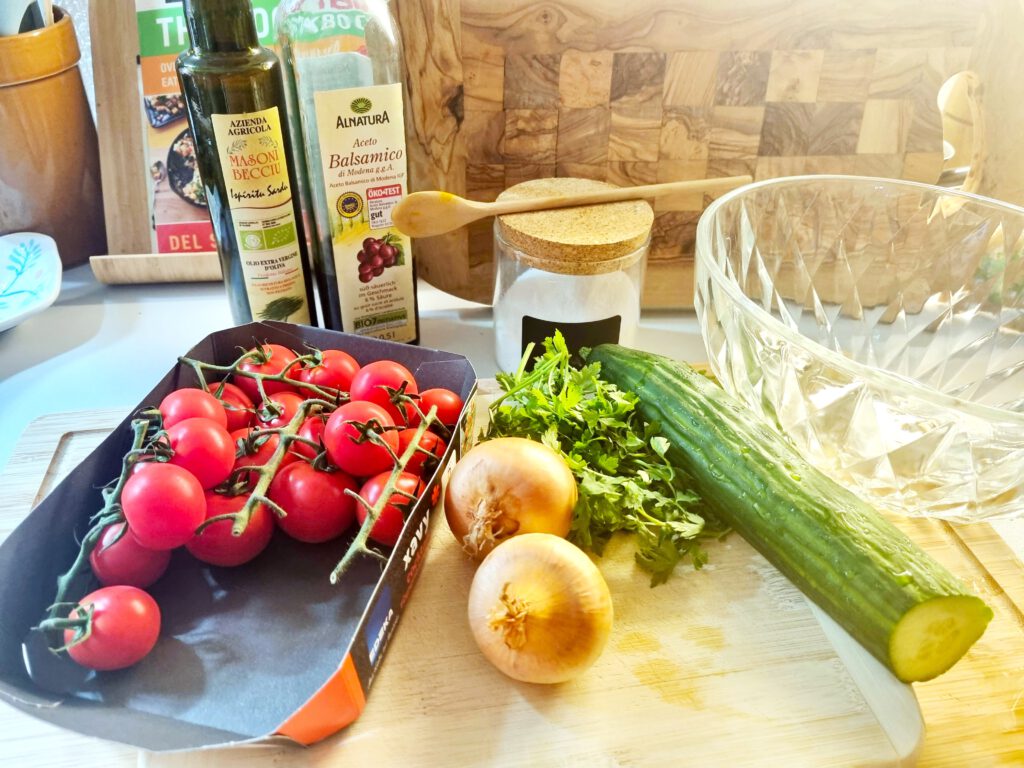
(932, 636)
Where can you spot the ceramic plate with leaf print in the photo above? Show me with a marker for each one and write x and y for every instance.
(30, 272)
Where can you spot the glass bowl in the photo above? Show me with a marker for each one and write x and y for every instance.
(879, 324)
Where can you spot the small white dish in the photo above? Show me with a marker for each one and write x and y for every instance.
(30, 273)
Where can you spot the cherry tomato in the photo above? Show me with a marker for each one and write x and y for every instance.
(125, 627)
(125, 561)
(421, 464)
(449, 404)
(163, 504)
(264, 447)
(391, 520)
(317, 507)
(204, 448)
(311, 429)
(237, 406)
(271, 360)
(335, 370)
(187, 403)
(287, 404)
(372, 381)
(346, 446)
(217, 545)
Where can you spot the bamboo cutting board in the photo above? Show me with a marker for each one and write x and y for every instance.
(729, 666)
(661, 90)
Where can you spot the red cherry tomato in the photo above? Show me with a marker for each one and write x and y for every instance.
(372, 382)
(346, 446)
(124, 561)
(286, 405)
(237, 406)
(421, 464)
(204, 448)
(392, 517)
(125, 627)
(335, 370)
(217, 545)
(263, 449)
(271, 360)
(316, 505)
(449, 404)
(311, 429)
(187, 403)
(163, 504)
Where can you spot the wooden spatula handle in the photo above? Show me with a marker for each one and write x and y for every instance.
(617, 195)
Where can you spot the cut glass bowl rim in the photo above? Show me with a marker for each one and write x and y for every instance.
(703, 249)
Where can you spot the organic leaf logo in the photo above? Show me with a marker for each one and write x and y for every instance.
(266, 141)
(236, 146)
(361, 106)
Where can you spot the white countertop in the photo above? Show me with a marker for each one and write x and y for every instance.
(103, 346)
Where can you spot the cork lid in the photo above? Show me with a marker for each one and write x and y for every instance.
(583, 240)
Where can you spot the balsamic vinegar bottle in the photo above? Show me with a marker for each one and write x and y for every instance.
(236, 103)
(343, 62)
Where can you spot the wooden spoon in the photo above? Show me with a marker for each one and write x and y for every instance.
(425, 214)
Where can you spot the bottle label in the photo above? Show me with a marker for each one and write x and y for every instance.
(362, 148)
(590, 333)
(253, 158)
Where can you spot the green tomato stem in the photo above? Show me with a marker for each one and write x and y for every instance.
(110, 513)
(81, 624)
(286, 435)
(334, 396)
(359, 544)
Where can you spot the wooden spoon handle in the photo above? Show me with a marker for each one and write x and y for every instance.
(614, 195)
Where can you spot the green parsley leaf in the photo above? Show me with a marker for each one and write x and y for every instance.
(625, 481)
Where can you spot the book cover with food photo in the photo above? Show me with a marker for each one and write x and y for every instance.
(180, 220)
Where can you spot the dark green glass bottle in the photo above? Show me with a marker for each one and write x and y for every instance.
(237, 112)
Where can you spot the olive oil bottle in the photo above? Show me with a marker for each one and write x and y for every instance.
(343, 62)
(237, 110)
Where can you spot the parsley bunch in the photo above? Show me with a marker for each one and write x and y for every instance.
(625, 482)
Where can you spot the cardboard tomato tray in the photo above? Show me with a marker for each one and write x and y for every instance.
(269, 648)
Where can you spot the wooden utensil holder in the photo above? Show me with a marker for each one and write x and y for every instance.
(49, 166)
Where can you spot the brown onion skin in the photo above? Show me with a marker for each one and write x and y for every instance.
(513, 486)
(539, 609)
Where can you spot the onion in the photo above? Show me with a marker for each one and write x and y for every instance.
(506, 487)
(539, 609)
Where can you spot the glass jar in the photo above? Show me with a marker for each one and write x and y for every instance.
(578, 270)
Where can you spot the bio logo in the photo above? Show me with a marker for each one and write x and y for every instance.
(361, 106)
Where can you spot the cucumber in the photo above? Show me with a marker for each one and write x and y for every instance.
(906, 609)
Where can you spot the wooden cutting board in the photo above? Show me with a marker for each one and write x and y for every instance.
(659, 90)
(628, 92)
(728, 666)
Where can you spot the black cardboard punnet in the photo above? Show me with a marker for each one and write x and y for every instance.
(269, 648)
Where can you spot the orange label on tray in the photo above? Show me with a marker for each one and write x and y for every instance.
(338, 702)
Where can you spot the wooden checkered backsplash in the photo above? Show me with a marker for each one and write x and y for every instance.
(639, 96)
